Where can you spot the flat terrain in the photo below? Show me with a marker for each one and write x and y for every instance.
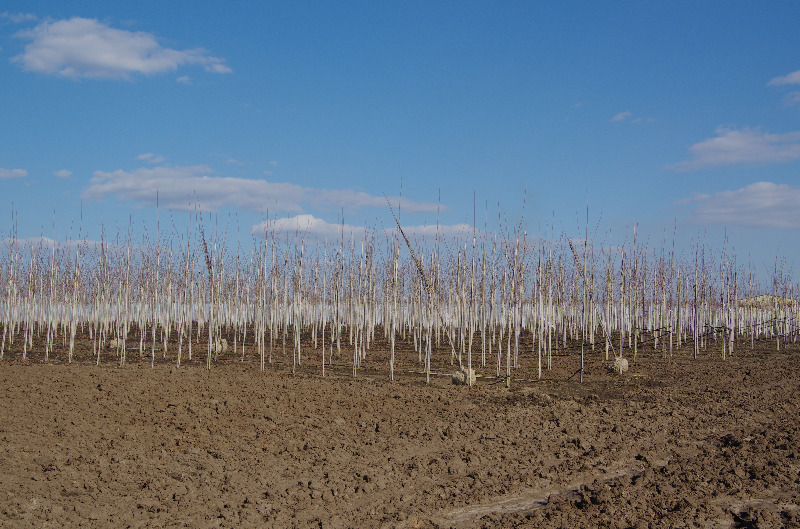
(687, 443)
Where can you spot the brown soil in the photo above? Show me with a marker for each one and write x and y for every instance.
(686, 443)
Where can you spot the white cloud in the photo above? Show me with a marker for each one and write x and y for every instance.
(762, 204)
(63, 173)
(82, 47)
(18, 18)
(184, 188)
(622, 116)
(12, 173)
(149, 157)
(742, 146)
(309, 225)
(185, 79)
(792, 78)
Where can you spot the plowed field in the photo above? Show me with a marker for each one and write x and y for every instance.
(707, 442)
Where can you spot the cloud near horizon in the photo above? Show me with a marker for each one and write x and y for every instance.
(309, 225)
(83, 47)
(306, 224)
(760, 205)
(46, 243)
(429, 232)
(742, 146)
(189, 188)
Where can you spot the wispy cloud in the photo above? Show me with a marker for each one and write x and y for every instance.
(12, 173)
(63, 173)
(697, 197)
(742, 146)
(18, 18)
(792, 99)
(428, 232)
(792, 78)
(628, 116)
(321, 229)
(762, 204)
(184, 188)
(82, 47)
(622, 116)
(45, 243)
(272, 163)
(149, 157)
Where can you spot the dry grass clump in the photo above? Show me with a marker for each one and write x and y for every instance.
(619, 366)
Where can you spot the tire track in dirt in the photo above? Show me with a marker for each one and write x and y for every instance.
(536, 497)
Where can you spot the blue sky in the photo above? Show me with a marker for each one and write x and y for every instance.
(665, 115)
